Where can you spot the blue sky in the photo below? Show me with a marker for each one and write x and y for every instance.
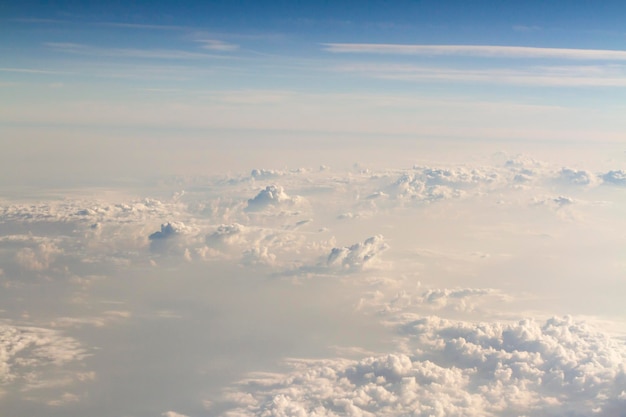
(358, 67)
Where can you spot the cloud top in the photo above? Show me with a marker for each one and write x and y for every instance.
(358, 255)
(559, 367)
(271, 196)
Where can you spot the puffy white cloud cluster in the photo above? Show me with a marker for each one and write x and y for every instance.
(357, 256)
(67, 211)
(265, 174)
(430, 184)
(524, 169)
(576, 177)
(559, 367)
(273, 196)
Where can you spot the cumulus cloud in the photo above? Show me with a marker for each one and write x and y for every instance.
(167, 239)
(559, 367)
(357, 256)
(272, 196)
(431, 184)
(258, 256)
(576, 177)
(168, 230)
(226, 234)
(615, 177)
(264, 174)
(38, 259)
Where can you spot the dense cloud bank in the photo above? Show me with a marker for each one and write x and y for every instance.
(558, 367)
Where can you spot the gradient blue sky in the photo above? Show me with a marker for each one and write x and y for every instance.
(539, 71)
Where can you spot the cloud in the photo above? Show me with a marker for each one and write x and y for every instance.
(426, 183)
(557, 76)
(258, 256)
(217, 45)
(357, 256)
(80, 49)
(172, 414)
(576, 177)
(271, 197)
(559, 367)
(168, 230)
(38, 259)
(615, 177)
(30, 356)
(264, 174)
(226, 234)
(478, 50)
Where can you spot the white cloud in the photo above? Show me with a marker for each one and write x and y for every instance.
(226, 234)
(168, 230)
(80, 49)
(217, 45)
(560, 367)
(272, 197)
(597, 76)
(617, 177)
(38, 259)
(30, 356)
(576, 177)
(478, 50)
(357, 256)
(172, 414)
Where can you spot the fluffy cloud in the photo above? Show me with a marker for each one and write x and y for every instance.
(38, 259)
(29, 355)
(272, 196)
(357, 256)
(226, 234)
(560, 367)
(265, 174)
(431, 184)
(576, 177)
(615, 177)
(169, 238)
(168, 230)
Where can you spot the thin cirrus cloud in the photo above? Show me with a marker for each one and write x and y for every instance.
(217, 45)
(74, 48)
(478, 50)
(579, 76)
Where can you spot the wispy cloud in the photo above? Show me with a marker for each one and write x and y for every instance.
(36, 20)
(33, 71)
(579, 76)
(477, 50)
(74, 48)
(217, 45)
(143, 26)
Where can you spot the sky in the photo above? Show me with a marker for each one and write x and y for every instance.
(299, 208)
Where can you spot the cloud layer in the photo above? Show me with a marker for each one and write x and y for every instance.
(558, 367)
